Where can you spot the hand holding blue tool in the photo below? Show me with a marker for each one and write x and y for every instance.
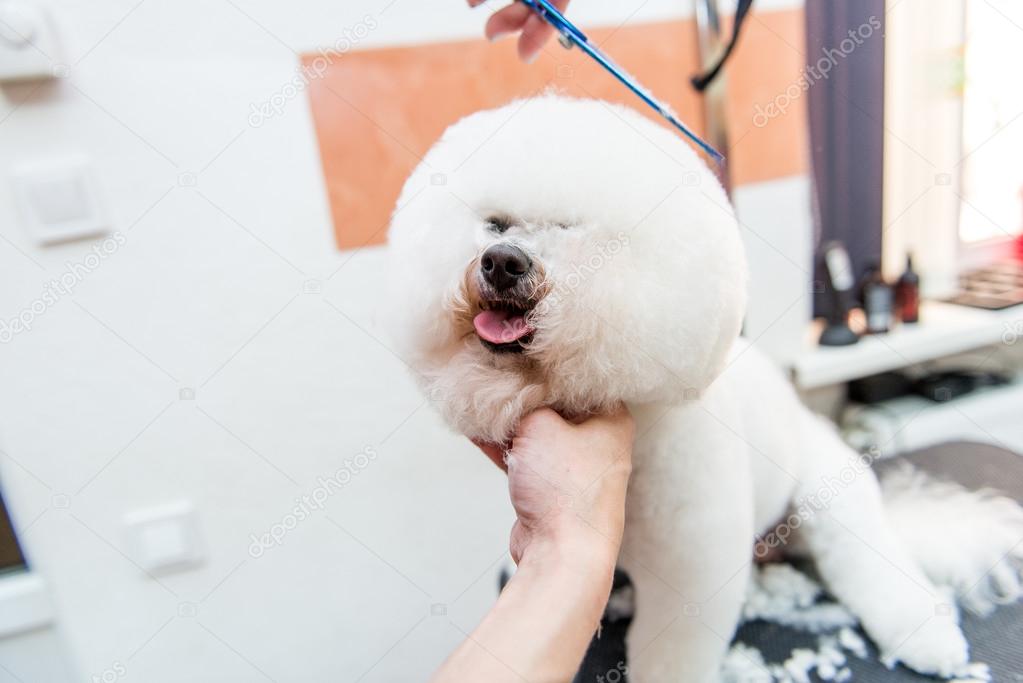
(569, 35)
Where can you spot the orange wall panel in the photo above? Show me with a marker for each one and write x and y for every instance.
(765, 69)
(377, 111)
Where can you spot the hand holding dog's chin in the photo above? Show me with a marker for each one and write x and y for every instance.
(567, 483)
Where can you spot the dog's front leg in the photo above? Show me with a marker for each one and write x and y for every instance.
(687, 550)
(863, 563)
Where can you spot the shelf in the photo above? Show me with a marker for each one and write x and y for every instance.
(944, 329)
(908, 423)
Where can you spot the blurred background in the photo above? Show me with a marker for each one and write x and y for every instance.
(214, 467)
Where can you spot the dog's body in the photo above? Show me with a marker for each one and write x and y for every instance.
(576, 256)
(726, 469)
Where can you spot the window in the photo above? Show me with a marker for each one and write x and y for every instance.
(10, 554)
(992, 170)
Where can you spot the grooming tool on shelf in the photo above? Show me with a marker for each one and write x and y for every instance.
(570, 35)
(838, 285)
(878, 299)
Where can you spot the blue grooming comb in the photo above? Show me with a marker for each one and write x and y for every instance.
(570, 35)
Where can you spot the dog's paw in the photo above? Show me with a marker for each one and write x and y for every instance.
(937, 648)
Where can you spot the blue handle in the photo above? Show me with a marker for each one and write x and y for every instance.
(549, 13)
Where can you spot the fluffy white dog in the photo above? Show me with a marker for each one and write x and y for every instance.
(573, 254)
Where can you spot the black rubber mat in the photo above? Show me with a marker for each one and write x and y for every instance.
(996, 640)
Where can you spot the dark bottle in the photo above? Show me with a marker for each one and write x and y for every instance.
(877, 301)
(907, 294)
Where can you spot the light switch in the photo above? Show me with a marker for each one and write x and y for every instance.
(17, 24)
(60, 200)
(166, 538)
(29, 49)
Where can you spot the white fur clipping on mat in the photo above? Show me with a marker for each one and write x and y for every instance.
(746, 664)
(969, 541)
(781, 594)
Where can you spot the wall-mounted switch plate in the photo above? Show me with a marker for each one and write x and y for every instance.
(60, 200)
(166, 538)
(29, 49)
(24, 603)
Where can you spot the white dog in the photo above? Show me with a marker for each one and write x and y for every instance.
(573, 254)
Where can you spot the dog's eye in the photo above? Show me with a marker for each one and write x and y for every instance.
(498, 223)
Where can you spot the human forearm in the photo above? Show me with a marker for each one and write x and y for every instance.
(543, 621)
(567, 483)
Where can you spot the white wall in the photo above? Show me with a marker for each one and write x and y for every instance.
(777, 231)
(230, 288)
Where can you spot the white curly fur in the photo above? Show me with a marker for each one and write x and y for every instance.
(642, 280)
(595, 347)
(970, 541)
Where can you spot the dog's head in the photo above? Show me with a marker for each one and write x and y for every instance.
(562, 252)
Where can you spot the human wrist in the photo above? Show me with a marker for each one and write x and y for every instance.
(572, 549)
(578, 580)
(587, 526)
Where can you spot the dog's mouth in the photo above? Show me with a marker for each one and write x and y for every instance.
(502, 326)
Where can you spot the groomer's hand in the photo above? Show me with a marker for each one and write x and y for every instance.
(517, 18)
(567, 484)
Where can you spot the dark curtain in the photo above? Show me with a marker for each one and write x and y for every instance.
(846, 111)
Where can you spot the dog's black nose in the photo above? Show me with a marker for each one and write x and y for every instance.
(503, 265)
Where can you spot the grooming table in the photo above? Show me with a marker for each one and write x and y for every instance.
(996, 640)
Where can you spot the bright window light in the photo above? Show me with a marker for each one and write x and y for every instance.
(992, 172)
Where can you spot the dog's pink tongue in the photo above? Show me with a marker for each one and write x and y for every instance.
(500, 327)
